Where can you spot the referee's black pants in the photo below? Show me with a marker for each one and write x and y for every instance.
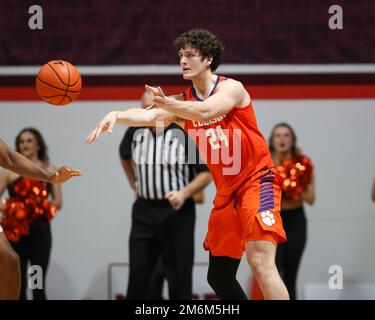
(159, 230)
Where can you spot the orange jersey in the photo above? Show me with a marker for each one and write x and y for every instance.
(231, 145)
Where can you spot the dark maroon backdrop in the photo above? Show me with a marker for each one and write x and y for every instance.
(89, 32)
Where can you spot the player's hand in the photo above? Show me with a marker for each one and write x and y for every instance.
(106, 124)
(160, 100)
(176, 198)
(63, 174)
(153, 90)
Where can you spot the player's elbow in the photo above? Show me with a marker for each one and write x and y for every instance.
(208, 111)
(203, 117)
(204, 114)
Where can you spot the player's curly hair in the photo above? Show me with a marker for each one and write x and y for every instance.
(203, 40)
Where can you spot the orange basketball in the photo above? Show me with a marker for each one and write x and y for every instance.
(58, 82)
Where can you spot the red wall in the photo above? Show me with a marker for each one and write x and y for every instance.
(93, 32)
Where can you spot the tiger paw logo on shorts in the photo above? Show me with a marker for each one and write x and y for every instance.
(268, 218)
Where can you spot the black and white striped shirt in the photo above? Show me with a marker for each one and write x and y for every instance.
(165, 160)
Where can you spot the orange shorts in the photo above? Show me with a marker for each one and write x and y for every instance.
(251, 213)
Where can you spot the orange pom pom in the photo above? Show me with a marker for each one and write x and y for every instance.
(297, 174)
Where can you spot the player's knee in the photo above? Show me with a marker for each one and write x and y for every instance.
(260, 263)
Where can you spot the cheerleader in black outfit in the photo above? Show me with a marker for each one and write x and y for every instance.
(34, 248)
(298, 188)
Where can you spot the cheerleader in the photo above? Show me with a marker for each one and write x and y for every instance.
(31, 237)
(298, 188)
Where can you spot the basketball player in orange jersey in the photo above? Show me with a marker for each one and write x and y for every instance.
(217, 113)
(10, 279)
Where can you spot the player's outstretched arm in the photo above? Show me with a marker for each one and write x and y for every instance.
(16, 162)
(132, 117)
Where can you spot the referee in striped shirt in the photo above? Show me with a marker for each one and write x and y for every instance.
(158, 164)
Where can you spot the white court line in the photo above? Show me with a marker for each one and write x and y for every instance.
(224, 69)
